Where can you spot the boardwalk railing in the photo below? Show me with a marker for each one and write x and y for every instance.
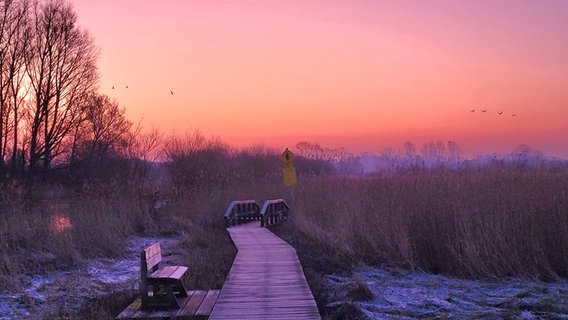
(273, 212)
(242, 211)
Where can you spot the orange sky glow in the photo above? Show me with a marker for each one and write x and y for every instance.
(363, 74)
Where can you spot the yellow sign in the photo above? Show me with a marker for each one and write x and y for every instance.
(287, 158)
(289, 174)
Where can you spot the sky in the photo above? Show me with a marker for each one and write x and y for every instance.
(363, 74)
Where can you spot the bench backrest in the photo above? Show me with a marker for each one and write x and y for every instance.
(150, 259)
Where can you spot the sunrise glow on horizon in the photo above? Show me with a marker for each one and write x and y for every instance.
(364, 75)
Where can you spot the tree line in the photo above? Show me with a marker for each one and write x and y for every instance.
(50, 111)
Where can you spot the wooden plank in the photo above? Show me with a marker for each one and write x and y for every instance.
(208, 303)
(134, 311)
(141, 314)
(153, 261)
(179, 272)
(193, 304)
(160, 313)
(266, 280)
(163, 272)
(173, 313)
(130, 310)
(153, 249)
(153, 255)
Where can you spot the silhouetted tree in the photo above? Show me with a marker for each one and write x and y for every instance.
(61, 66)
(14, 33)
(310, 150)
(435, 151)
(195, 161)
(103, 129)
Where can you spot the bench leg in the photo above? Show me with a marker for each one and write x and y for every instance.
(171, 297)
(163, 297)
(179, 289)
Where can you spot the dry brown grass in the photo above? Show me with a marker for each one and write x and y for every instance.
(31, 243)
(492, 222)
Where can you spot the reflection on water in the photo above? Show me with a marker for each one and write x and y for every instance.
(58, 217)
(59, 222)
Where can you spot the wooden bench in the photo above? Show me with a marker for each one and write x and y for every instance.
(160, 287)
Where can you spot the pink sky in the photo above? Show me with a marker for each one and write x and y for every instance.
(364, 75)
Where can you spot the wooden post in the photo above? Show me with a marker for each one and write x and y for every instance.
(294, 222)
(143, 278)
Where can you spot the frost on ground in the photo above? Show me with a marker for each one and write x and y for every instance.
(411, 295)
(69, 290)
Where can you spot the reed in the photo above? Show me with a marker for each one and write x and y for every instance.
(495, 221)
(489, 222)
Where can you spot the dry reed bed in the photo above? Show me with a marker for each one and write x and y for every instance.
(40, 236)
(501, 220)
(66, 231)
(492, 222)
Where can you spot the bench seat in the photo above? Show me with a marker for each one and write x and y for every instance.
(168, 273)
(160, 287)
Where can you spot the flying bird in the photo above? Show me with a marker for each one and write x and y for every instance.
(514, 115)
(500, 112)
(112, 87)
(126, 87)
(484, 110)
(172, 92)
(472, 110)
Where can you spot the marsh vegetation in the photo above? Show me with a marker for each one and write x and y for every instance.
(79, 183)
(493, 221)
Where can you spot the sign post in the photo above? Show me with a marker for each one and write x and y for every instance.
(290, 180)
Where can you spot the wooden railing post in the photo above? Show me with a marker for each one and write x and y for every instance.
(245, 211)
(240, 212)
(273, 212)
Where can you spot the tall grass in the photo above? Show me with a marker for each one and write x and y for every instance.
(61, 230)
(499, 220)
(491, 222)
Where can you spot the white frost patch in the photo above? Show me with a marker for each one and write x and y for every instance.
(67, 290)
(10, 307)
(408, 295)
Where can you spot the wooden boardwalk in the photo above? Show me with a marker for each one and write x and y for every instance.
(266, 280)
(197, 305)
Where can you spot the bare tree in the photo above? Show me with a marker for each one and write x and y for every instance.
(435, 151)
(61, 66)
(311, 150)
(103, 129)
(14, 31)
(196, 161)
